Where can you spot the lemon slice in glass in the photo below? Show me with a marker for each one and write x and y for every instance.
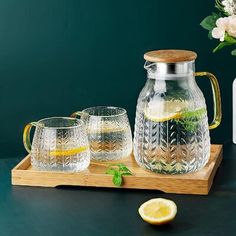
(158, 211)
(69, 152)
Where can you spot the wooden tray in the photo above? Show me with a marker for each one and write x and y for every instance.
(194, 183)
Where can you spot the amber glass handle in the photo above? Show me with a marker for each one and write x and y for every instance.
(76, 114)
(216, 98)
(26, 136)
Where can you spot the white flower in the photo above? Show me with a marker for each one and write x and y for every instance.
(229, 6)
(231, 26)
(223, 25)
(219, 31)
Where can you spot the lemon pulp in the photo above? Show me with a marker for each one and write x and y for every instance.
(161, 111)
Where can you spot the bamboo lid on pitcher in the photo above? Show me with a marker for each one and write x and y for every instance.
(170, 56)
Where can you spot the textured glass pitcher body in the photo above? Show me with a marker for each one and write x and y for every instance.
(171, 127)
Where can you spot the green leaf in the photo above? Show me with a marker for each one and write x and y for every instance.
(117, 179)
(210, 21)
(117, 172)
(230, 39)
(221, 45)
(190, 119)
(219, 6)
(124, 168)
(233, 53)
(210, 34)
(111, 171)
(121, 165)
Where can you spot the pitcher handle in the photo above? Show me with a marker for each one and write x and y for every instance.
(76, 114)
(216, 98)
(26, 136)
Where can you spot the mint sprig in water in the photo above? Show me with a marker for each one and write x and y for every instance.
(118, 170)
(190, 119)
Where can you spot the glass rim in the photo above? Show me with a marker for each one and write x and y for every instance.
(123, 111)
(78, 123)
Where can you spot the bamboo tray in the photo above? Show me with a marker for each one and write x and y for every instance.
(194, 183)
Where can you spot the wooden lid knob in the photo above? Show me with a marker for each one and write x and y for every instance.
(170, 56)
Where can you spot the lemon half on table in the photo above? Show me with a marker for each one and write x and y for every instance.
(158, 211)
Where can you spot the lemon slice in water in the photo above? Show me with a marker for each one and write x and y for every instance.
(161, 111)
(69, 152)
(163, 117)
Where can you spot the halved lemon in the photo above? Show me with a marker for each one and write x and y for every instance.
(158, 211)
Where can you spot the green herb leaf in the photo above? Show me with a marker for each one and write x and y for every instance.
(233, 53)
(118, 170)
(124, 168)
(190, 119)
(117, 179)
(111, 171)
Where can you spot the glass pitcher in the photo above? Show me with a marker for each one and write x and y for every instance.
(171, 133)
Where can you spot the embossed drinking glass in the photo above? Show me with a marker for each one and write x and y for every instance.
(59, 144)
(109, 132)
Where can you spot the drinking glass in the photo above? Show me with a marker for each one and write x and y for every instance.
(59, 144)
(109, 132)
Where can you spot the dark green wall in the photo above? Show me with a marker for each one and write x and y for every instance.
(58, 56)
